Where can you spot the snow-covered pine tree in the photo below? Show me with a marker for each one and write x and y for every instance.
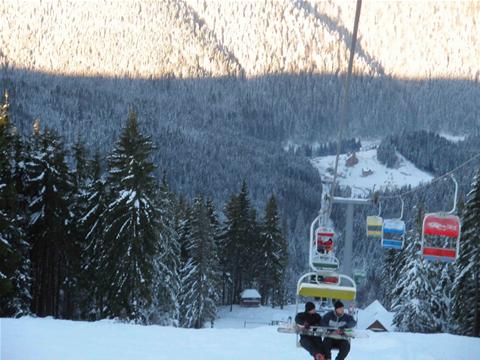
(240, 258)
(199, 293)
(76, 232)
(14, 262)
(252, 256)
(166, 307)
(182, 227)
(131, 227)
(214, 222)
(230, 250)
(274, 257)
(92, 280)
(249, 236)
(50, 192)
(386, 153)
(394, 261)
(466, 285)
(387, 278)
(224, 248)
(240, 243)
(216, 231)
(413, 291)
(442, 276)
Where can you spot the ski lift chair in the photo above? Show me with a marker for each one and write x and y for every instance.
(393, 234)
(374, 226)
(441, 237)
(441, 234)
(313, 285)
(321, 255)
(324, 239)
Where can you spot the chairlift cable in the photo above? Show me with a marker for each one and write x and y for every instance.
(420, 187)
(344, 108)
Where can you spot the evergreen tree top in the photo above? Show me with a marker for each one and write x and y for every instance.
(95, 166)
(80, 159)
(272, 208)
(129, 162)
(4, 117)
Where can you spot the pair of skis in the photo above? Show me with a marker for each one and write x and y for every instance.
(322, 332)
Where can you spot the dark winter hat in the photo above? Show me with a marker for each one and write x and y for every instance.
(338, 304)
(309, 306)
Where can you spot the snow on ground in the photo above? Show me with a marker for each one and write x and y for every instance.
(241, 317)
(368, 144)
(453, 138)
(405, 174)
(47, 339)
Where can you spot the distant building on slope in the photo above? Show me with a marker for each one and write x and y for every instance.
(377, 326)
(250, 298)
(366, 172)
(352, 160)
(376, 318)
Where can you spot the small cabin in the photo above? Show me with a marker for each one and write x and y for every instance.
(377, 326)
(367, 172)
(250, 298)
(351, 160)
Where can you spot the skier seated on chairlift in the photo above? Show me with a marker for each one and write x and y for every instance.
(339, 320)
(324, 247)
(313, 344)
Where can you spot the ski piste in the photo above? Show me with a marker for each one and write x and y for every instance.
(322, 331)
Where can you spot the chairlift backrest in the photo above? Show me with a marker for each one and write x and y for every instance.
(321, 255)
(375, 226)
(324, 240)
(441, 237)
(393, 234)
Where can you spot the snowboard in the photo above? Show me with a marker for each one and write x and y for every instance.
(323, 332)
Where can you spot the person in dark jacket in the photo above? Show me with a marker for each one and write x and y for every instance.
(337, 319)
(313, 344)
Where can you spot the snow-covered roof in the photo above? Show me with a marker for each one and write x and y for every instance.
(250, 294)
(375, 311)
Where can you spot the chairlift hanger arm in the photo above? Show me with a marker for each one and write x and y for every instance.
(401, 212)
(456, 194)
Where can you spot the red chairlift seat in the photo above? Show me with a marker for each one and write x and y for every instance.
(441, 237)
(331, 280)
(325, 277)
(324, 239)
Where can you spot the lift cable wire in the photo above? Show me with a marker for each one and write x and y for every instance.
(433, 181)
(344, 106)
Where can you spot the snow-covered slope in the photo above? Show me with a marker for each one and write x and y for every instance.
(215, 37)
(48, 339)
(453, 138)
(381, 178)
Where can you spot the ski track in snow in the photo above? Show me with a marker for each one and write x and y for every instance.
(31, 338)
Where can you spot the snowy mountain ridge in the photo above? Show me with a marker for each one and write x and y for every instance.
(194, 38)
